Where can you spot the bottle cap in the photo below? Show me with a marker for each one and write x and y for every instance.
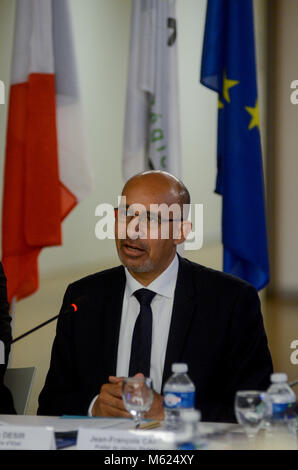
(179, 368)
(190, 415)
(279, 377)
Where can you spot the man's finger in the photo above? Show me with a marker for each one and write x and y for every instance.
(111, 401)
(114, 389)
(112, 394)
(107, 408)
(113, 379)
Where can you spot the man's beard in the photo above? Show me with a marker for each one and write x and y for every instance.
(137, 268)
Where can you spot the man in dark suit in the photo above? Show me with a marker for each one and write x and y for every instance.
(205, 318)
(6, 401)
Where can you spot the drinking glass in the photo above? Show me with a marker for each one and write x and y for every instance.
(250, 409)
(137, 395)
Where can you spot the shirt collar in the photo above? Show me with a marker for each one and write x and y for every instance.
(163, 285)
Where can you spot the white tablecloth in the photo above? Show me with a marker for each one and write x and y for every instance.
(217, 435)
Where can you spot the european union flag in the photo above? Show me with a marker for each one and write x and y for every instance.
(228, 67)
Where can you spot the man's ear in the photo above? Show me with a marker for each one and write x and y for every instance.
(182, 232)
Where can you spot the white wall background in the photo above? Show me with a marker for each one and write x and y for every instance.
(101, 34)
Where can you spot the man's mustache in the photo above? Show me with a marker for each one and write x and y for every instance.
(141, 245)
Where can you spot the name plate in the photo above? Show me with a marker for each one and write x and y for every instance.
(26, 438)
(112, 439)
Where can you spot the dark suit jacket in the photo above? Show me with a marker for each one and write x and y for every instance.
(216, 328)
(6, 401)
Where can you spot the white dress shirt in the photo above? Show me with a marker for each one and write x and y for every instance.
(161, 306)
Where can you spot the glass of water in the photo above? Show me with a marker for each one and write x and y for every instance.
(250, 410)
(137, 395)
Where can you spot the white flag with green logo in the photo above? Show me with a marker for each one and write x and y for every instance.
(152, 130)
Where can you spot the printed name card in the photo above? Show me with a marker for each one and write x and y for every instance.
(26, 438)
(111, 439)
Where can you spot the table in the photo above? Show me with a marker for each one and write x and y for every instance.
(219, 436)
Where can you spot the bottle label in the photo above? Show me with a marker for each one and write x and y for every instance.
(187, 446)
(179, 400)
(283, 410)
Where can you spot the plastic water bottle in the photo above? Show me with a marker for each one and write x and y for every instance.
(281, 423)
(188, 437)
(179, 393)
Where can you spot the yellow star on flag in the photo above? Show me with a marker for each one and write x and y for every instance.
(227, 84)
(220, 104)
(254, 112)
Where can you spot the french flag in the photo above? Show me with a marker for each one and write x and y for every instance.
(46, 166)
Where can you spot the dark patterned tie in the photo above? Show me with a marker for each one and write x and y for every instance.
(140, 354)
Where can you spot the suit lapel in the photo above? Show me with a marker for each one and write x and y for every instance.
(183, 309)
(112, 318)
